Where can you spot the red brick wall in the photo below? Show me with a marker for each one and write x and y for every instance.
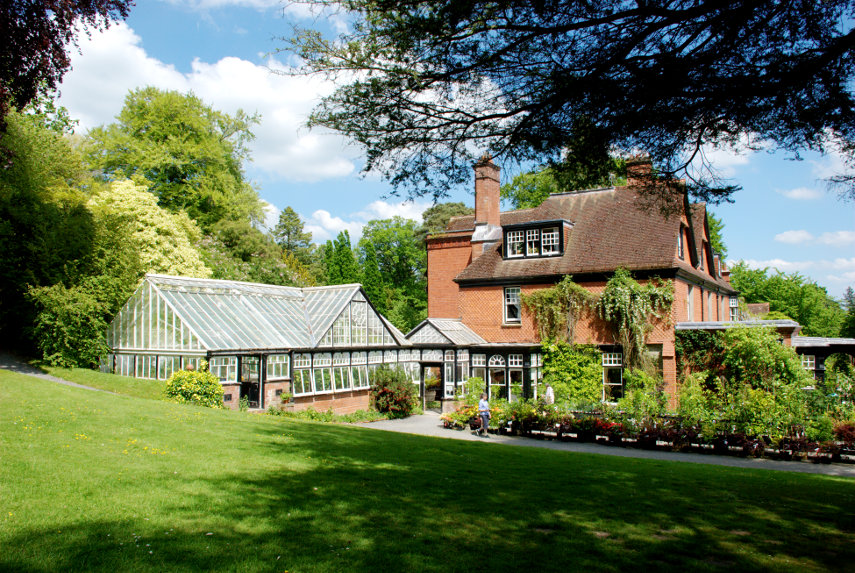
(234, 391)
(446, 258)
(340, 402)
(270, 388)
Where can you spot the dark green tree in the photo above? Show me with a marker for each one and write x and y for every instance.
(340, 262)
(189, 154)
(426, 87)
(716, 228)
(792, 295)
(372, 279)
(436, 217)
(291, 236)
(847, 329)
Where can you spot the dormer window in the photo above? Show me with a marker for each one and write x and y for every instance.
(533, 241)
(516, 243)
(549, 241)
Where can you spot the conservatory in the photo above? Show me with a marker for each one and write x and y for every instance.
(318, 344)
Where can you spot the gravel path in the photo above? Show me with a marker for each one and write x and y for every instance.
(429, 424)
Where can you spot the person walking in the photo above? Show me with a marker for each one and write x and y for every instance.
(484, 413)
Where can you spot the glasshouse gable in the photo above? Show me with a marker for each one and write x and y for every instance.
(317, 344)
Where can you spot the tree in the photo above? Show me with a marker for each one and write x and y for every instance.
(847, 329)
(372, 279)
(716, 228)
(791, 294)
(36, 35)
(341, 267)
(190, 155)
(291, 237)
(436, 217)
(426, 87)
(165, 241)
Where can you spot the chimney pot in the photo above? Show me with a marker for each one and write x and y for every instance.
(487, 192)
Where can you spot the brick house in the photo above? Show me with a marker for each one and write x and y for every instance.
(480, 265)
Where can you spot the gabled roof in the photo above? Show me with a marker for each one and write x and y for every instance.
(444, 331)
(609, 228)
(238, 315)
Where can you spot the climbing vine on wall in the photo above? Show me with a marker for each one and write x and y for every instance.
(557, 309)
(630, 308)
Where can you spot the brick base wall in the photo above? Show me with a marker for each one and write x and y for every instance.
(340, 403)
(231, 396)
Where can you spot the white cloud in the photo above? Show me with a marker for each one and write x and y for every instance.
(113, 62)
(794, 237)
(837, 238)
(829, 238)
(829, 165)
(800, 193)
(324, 226)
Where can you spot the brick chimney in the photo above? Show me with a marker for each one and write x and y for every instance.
(486, 191)
(638, 171)
(488, 227)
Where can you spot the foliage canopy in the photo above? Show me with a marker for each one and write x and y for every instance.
(425, 87)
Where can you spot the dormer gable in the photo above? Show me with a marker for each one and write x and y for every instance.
(535, 239)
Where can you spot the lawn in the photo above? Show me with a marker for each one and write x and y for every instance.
(139, 387)
(95, 482)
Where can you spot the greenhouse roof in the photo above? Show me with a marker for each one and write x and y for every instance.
(239, 315)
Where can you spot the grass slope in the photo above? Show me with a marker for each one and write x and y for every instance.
(138, 387)
(96, 482)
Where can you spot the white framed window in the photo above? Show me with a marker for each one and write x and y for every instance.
(512, 305)
(681, 249)
(341, 330)
(359, 322)
(323, 359)
(516, 243)
(463, 356)
(375, 329)
(515, 360)
(734, 308)
(808, 361)
(341, 378)
(449, 356)
(479, 360)
(125, 364)
(302, 360)
(375, 357)
(549, 241)
(340, 359)
(358, 358)
(277, 366)
(302, 382)
(323, 380)
(709, 315)
(166, 365)
(224, 368)
(390, 356)
(612, 376)
(497, 361)
(359, 375)
(532, 242)
(146, 366)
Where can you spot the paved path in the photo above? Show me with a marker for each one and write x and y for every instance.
(429, 424)
(15, 364)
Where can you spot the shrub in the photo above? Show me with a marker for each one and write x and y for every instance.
(575, 372)
(392, 392)
(470, 391)
(195, 387)
(70, 325)
(755, 356)
(644, 398)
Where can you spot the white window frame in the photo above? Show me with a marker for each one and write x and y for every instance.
(734, 308)
(511, 298)
(809, 361)
(277, 366)
(532, 242)
(690, 303)
(479, 360)
(549, 238)
(611, 361)
(515, 244)
(224, 368)
(302, 380)
(515, 360)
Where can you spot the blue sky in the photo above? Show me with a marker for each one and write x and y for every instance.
(224, 51)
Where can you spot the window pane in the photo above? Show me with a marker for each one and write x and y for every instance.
(532, 242)
(515, 243)
(512, 304)
(549, 241)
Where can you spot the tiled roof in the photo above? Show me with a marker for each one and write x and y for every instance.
(610, 229)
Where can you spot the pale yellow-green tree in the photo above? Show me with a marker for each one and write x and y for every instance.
(165, 239)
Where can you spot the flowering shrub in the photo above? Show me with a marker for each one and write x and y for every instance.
(392, 392)
(195, 387)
